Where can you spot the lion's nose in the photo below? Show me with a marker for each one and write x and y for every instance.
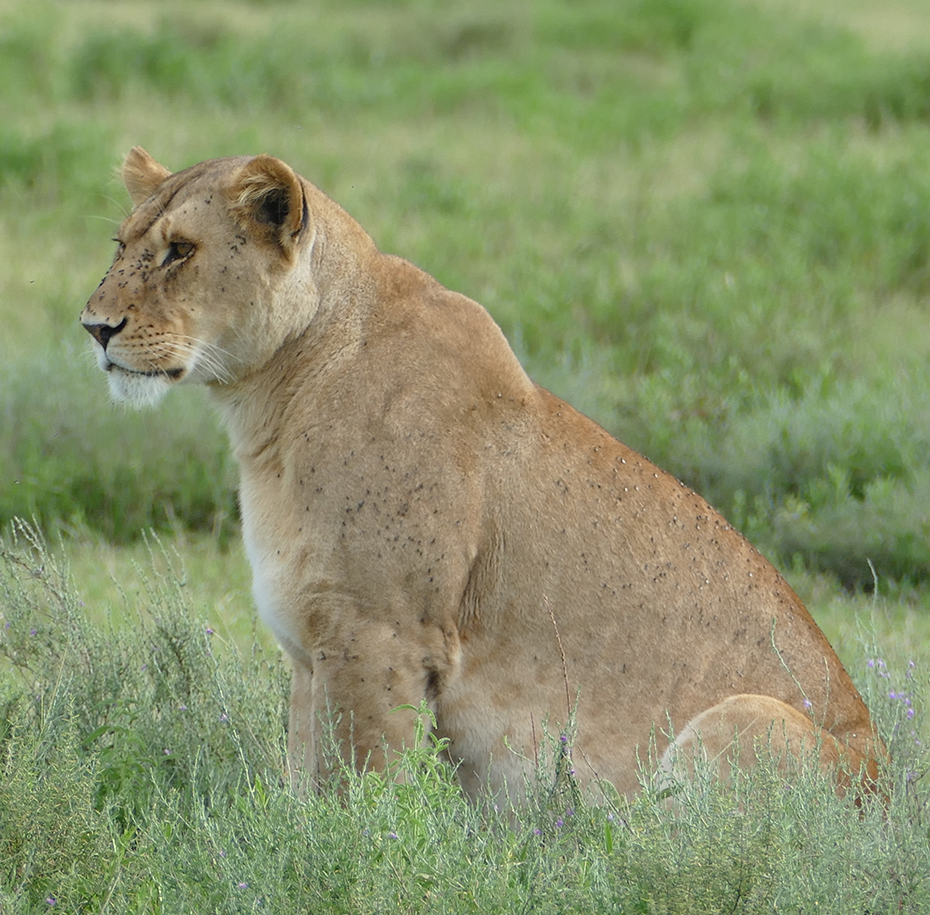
(102, 332)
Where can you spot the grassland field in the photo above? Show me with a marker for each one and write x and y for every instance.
(706, 223)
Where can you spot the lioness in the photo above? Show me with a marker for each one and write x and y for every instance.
(424, 523)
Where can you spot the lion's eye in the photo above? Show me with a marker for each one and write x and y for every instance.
(177, 250)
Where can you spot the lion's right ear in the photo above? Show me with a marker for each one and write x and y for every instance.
(142, 174)
(266, 195)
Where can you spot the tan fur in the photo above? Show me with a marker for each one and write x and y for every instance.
(424, 522)
(738, 730)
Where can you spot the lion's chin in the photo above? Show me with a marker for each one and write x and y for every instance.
(137, 390)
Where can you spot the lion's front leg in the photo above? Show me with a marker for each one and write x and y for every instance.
(301, 742)
(350, 706)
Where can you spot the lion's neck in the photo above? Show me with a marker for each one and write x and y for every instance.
(340, 258)
(326, 300)
(257, 408)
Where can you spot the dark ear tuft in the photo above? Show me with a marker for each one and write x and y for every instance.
(273, 208)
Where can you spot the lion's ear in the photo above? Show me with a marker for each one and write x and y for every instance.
(142, 174)
(267, 195)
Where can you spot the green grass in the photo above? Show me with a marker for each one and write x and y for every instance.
(143, 771)
(704, 222)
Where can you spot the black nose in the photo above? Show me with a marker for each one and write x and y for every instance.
(103, 332)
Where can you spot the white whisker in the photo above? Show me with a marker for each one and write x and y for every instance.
(205, 346)
(208, 355)
(109, 219)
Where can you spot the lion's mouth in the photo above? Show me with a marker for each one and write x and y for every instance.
(172, 374)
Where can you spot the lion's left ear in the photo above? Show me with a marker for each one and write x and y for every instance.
(142, 174)
(267, 194)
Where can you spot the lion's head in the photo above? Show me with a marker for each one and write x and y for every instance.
(198, 291)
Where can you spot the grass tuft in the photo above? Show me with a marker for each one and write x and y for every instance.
(143, 766)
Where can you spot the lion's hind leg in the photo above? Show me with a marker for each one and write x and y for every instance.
(740, 728)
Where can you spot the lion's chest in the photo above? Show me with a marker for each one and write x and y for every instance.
(269, 592)
(272, 551)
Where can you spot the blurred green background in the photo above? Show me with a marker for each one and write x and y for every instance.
(703, 222)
